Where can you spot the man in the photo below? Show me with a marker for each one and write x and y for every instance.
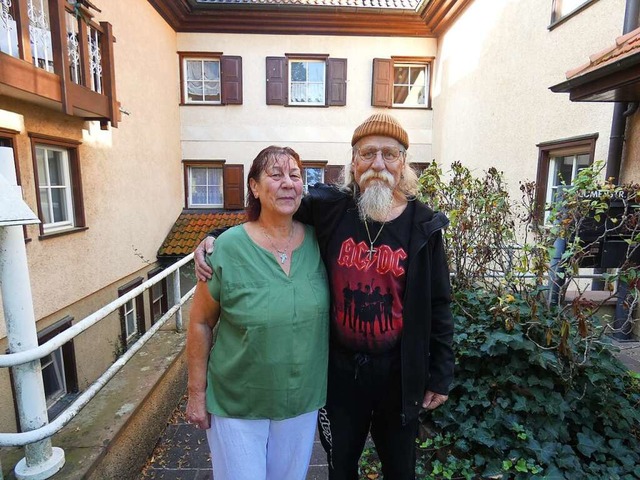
(373, 231)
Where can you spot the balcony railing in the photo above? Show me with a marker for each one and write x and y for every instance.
(52, 49)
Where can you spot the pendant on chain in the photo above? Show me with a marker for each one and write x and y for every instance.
(372, 251)
(283, 256)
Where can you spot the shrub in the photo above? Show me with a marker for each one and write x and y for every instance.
(538, 390)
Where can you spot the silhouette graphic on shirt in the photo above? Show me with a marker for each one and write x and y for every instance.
(348, 313)
(387, 308)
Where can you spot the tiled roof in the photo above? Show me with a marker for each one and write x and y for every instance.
(391, 4)
(625, 46)
(190, 228)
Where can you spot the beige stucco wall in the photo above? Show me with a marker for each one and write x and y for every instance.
(494, 67)
(132, 189)
(237, 133)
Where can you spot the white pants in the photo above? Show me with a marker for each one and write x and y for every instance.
(261, 449)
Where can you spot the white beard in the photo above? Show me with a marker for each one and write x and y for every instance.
(375, 202)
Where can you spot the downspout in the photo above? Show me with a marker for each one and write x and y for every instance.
(621, 111)
(619, 121)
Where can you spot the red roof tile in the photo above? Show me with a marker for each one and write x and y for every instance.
(625, 46)
(190, 228)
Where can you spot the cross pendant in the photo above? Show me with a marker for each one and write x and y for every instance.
(372, 251)
(283, 257)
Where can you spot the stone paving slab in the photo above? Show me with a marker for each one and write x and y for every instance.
(182, 453)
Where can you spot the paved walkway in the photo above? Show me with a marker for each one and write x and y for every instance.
(182, 453)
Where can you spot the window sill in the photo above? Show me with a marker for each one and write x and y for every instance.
(69, 231)
(203, 104)
(298, 105)
(412, 107)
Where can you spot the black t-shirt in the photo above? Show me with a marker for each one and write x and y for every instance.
(367, 291)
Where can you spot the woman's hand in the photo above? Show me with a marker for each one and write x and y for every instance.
(197, 411)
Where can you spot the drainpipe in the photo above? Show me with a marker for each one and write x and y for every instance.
(614, 163)
(41, 460)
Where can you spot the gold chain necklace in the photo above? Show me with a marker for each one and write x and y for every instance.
(282, 253)
(372, 250)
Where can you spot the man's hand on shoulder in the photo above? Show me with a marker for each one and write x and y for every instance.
(204, 248)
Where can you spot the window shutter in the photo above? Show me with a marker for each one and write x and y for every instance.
(332, 174)
(231, 79)
(381, 92)
(142, 327)
(233, 184)
(337, 81)
(277, 81)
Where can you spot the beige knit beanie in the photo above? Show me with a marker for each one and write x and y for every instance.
(381, 124)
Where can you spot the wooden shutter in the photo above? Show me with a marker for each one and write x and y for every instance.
(332, 174)
(382, 84)
(233, 184)
(337, 81)
(231, 80)
(277, 81)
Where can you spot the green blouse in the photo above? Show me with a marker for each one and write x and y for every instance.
(270, 356)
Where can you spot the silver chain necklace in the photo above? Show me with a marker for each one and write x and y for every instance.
(372, 250)
(282, 253)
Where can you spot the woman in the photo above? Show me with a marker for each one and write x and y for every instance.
(258, 390)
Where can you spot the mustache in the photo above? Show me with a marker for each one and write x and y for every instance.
(372, 175)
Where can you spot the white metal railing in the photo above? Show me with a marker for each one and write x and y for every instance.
(19, 358)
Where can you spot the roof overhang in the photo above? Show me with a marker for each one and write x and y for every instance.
(612, 75)
(429, 18)
(614, 82)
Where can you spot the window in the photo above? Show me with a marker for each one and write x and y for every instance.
(559, 162)
(213, 184)
(59, 373)
(8, 29)
(210, 79)
(205, 187)
(312, 173)
(419, 167)
(59, 192)
(563, 9)
(306, 80)
(157, 296)
(131, 314)
(401, 82)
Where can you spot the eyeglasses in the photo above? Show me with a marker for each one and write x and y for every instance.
(368, 153)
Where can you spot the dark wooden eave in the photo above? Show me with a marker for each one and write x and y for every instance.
(430, 19)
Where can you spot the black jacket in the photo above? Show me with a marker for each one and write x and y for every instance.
(426, 345)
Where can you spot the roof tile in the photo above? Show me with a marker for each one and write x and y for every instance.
(190, 228)
(625, 46)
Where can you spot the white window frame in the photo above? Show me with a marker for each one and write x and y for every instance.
(186, 80)
(130, 313)
(190, 203)
(307, 83)
(157, 295)
(553, 180)
(54, 361)
(425, 67)
(45, 188)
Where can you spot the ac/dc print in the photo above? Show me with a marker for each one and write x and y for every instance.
(367, 295)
